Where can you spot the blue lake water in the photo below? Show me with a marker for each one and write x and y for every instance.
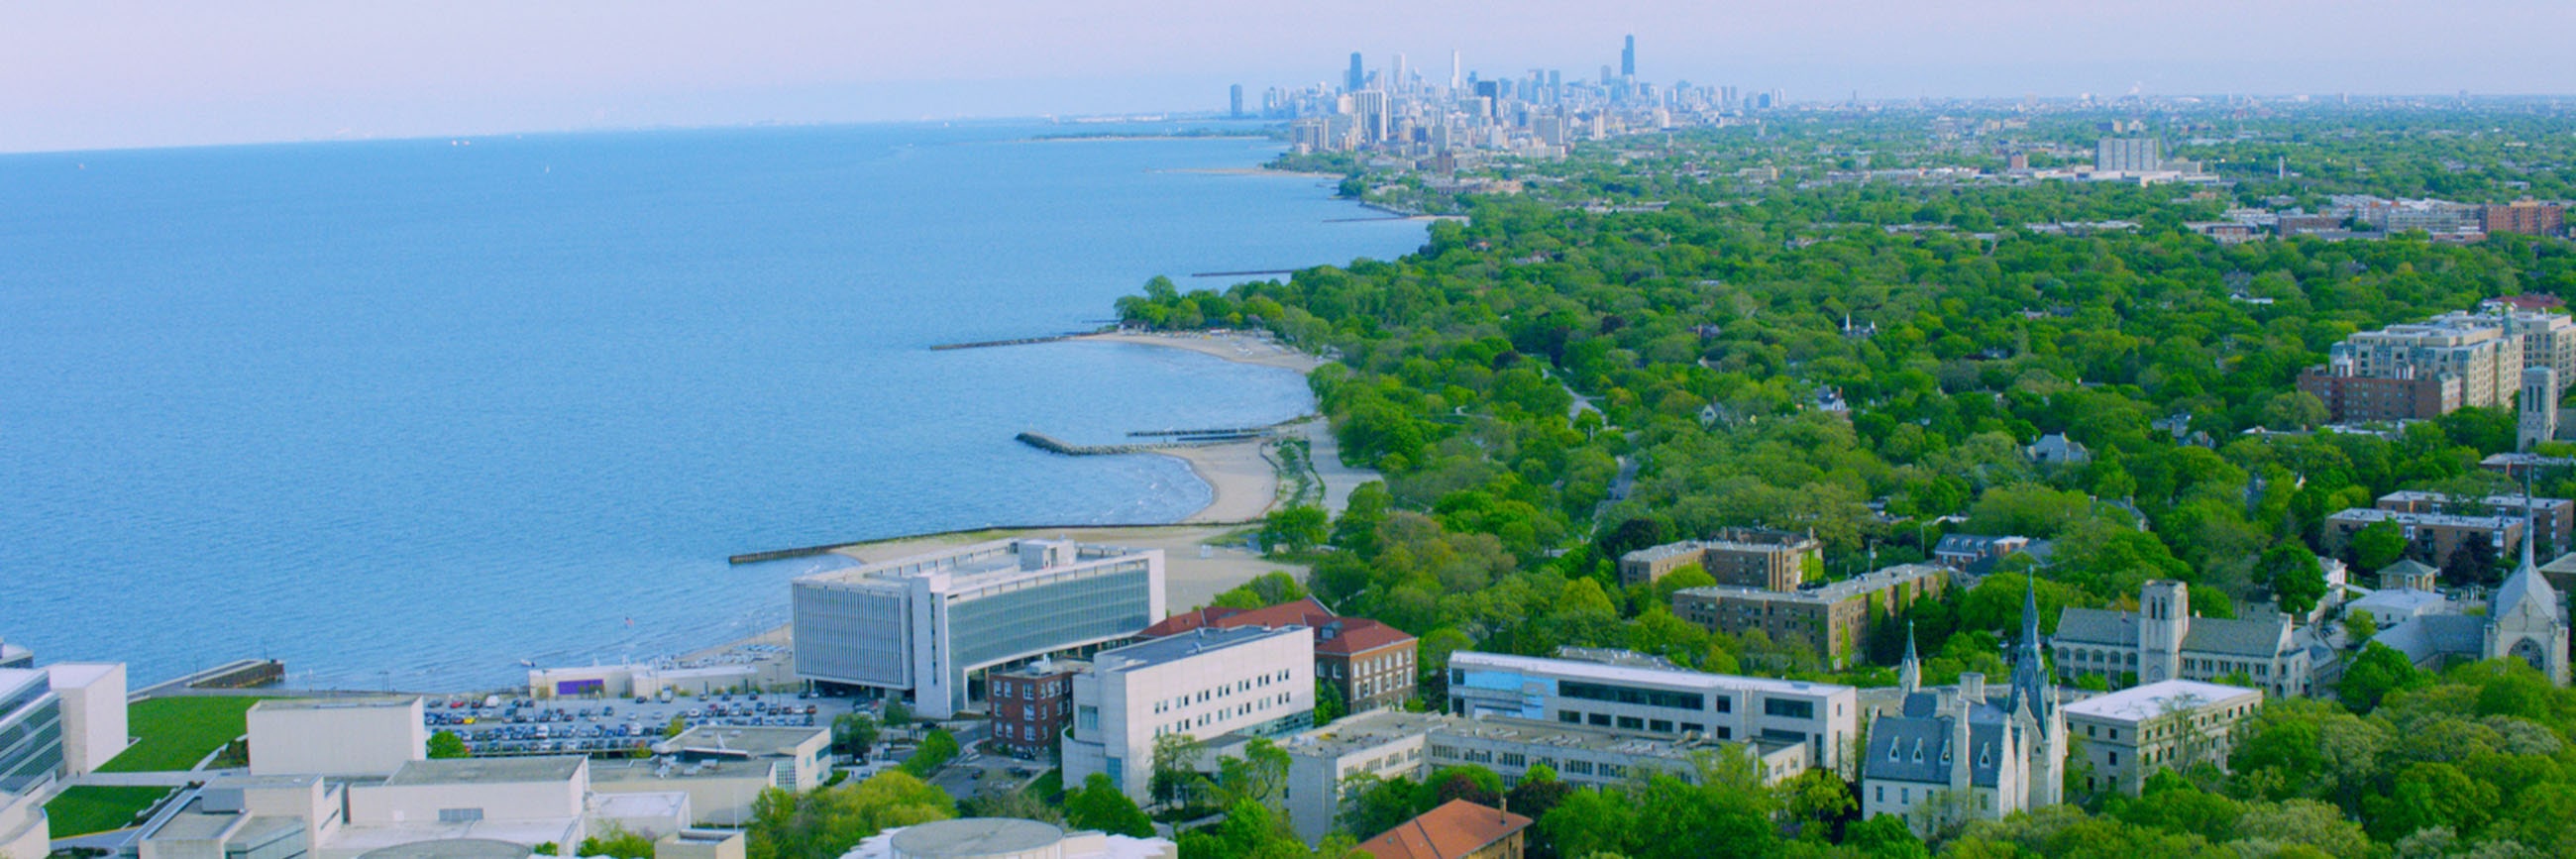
(409, 412)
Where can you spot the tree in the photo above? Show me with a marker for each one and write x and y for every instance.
(2378, 671)
(829, 822)
(2378, 544)
(1294, 530)
(1265, 590)
(1885, 837)
(1099, 804)
(679, 725)
(936, 750)
(1260, 775)
(615, 840)
(1175, 768)
(854, 733)
(898, 714)
(2360, 626)
(446, 744)
(2296, 579)
(1328, 702)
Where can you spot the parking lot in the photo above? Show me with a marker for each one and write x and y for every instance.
(495, 725)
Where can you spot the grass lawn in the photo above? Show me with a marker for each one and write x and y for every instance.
(175, 733)
(81, 810)
(1047, 787)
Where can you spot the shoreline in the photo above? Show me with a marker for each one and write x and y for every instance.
(1242, 477)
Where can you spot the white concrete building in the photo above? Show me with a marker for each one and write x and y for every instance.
(336, 736)
(528, 800)
(2128, 735)
(722, 769)
(61, 720)
(922, 624)
(23, 833)
(1253, 681)
(1657, 701)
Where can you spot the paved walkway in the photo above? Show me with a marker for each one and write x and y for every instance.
(172, 778)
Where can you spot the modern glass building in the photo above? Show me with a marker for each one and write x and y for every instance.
(922, 624)
(31, 730)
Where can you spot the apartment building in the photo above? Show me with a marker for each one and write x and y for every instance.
(2483, 355)
(1642, 699)
(2130, 734)
(1834, 616)
(1749, 557)
(921, 625)
(2431, 537)
(2553, 516)
(1032, 704)
(1254, 681)
(2355, 399)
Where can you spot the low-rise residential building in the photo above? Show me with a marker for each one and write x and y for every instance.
(921, 625)
(1836, 617)
(2351, 398)
(2430, 537)
(2553, 516)
(1977, 553)
(1032, 704)
(1751, 557)
(1369, 663)
(2128, 735)
(2163, 641)
(1254, 681)
(1458, 829)
(1666, 702)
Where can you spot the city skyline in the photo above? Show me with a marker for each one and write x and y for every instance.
(124, 75)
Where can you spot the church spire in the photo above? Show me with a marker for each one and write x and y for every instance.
(2030, 671)
(1909, 674)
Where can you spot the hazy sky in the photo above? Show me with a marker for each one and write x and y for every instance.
(78, 74)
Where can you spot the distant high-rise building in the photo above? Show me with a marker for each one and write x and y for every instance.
(1358, 78)
(2129, 154)
(1454, 68)
(1234, 102)
(1628, 59)
(1397, 85)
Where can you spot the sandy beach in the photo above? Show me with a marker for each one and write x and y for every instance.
(1237, 347)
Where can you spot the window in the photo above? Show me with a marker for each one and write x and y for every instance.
(1660, 726)
(1515, 759)
(1086, 718)
(1630, 695)
(1600, 719)
(459, 815)
(1882, 793)
(1694, 728)
(1725, 704)
(1569, 717)
(1631, 723)
(1786, 708)
(2115, 759)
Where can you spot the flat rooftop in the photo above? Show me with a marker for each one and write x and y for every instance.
(2374, 514)
(1187, 644)
(75, 674)
(773, 742)
(975, 560)
(487, 770)
(1669, 677)
(2151, 700)
(1365, 731)
(362, 703)
(665, 769)
(13, 678)
(1828, 592)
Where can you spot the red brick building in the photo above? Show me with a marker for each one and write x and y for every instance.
(2361, 399)
(1371, 663)
(1032, 704)
(2528, 217)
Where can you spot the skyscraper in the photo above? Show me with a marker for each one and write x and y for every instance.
(1234, 102)
(1628, 59)
(1454, 80)
(1358, 77)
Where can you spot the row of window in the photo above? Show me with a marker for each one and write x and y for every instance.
(1205, 695)
(1027, 690)
(1185, 724)
(1634, 723)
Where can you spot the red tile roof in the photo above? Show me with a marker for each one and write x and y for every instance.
(1333, 634)
(1453, 830)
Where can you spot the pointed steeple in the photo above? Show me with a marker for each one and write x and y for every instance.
(1909, 674)
(2030, 671)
